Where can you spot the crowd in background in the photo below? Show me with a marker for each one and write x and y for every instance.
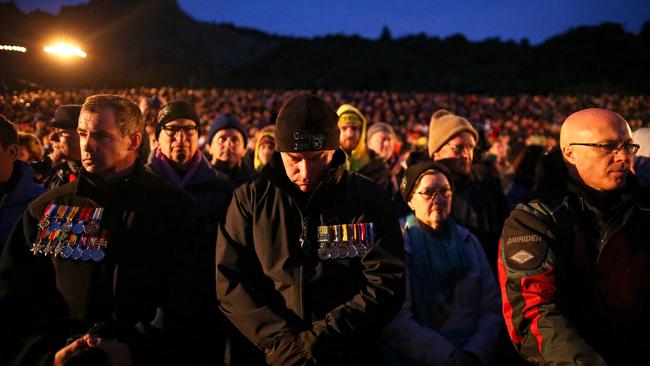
(507, 123)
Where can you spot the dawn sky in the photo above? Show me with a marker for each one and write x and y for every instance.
(477, 19)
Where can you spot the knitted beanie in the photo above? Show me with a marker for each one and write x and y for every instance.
(413, 173)
(306, 123)
(444, 126)
(379, 127)
(173, 111)
(226, 120)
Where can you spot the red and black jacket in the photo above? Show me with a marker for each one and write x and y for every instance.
(574, 273)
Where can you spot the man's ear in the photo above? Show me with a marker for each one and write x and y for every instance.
(12, 151)
(569, 155)
(135, 139)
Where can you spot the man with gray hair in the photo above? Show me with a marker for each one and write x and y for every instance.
(574, 265)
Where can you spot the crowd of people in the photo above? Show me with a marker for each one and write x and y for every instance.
(343, 228)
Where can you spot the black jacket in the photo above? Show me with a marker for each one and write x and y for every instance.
(62, 173)
(143, 292)
(275, 289)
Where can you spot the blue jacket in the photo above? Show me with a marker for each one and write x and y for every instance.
(13, 203)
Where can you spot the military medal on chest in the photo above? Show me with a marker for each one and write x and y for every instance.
(71, 232)
(56, 222)
(70, 215)
(345, 240)
(48, 216)
(323, 243)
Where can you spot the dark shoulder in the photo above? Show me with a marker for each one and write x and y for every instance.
(37, 207)
(365, 187)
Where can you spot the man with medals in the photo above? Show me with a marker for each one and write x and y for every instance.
(102, 270)
(287, 276)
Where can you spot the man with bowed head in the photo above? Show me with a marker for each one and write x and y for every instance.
(310, 258)
(574, 265)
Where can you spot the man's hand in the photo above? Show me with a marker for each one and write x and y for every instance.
(71, 350)
(118, 352)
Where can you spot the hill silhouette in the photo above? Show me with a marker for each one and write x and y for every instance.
(146, 42)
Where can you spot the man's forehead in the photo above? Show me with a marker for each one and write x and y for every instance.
(305, 154)
(180, 122)
(350, 125)
(601, 131)
(229, 132)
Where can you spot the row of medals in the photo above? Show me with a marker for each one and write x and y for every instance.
(59, 246)
(332, 243)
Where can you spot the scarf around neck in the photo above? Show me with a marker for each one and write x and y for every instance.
(436, 262)
(162, 165)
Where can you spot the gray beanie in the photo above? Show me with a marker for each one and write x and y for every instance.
(379, 127)
(444, 126)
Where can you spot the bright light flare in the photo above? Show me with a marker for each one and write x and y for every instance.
(65, 50)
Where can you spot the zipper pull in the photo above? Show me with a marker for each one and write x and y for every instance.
(303, 235)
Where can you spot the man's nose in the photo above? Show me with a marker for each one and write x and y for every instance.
(87, 145)
(622, 155)
(305, 169)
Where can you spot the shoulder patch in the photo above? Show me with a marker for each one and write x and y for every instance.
(524, 252)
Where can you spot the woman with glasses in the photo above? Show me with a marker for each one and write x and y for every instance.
(451, 312)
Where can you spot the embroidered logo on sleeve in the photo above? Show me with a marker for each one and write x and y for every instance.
(522, 256)
(524, 252)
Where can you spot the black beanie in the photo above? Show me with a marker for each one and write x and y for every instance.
(413, 173)
(306, 123)
(66, 117)
(175, 110)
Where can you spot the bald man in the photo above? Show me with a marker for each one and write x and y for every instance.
(574, 265)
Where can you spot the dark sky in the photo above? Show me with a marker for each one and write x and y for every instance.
(477, 19)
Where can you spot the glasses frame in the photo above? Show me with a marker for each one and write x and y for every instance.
(172, 131)
(445, 192)
(460, 148)
(607, 148)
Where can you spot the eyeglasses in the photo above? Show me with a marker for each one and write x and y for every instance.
(444, 192)
(611, 147)
(171, 131)
(458, 149)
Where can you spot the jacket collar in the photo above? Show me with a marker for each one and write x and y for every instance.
(89, 184)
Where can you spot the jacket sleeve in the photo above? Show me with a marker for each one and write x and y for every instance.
(247, 297)
(489, 327)
(377, 303)
(527, 279)
(33, 314)
(421, 344)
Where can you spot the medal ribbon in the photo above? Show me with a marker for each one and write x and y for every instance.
(97, 214)
(60, 213)
(48, 211)
(72, 213)
(102, 241)
(85, 214)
